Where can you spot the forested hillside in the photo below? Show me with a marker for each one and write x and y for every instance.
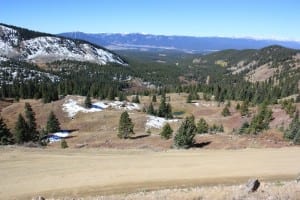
(261, 75)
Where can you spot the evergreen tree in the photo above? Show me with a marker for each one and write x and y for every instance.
(244, 128)
(164, 109)
(32, 133)
(151, 110)
(5, 136)
(193, 95)
(136, 99)
(166, 132)
(168, 113)
(154, 98)
(293, 133)
(216, 128)
(298, 98)
(189, 98)
(111, 94)
(245, 108)
(202, 126)
(53, 124)
(261, 121)
(88, 101)
(184, 137)
(226, 112)
(64, 144)
(125, 126)
(20, 130)
(122, 96)
(238, 106)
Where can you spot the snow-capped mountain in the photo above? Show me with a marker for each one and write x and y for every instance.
(136, 41)
(30, 46)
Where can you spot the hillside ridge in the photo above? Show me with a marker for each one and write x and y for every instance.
(37, 47)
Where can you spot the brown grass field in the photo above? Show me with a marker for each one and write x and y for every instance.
(58, 173)
(99, 129)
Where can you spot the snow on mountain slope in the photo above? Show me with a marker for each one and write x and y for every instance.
(10, 72)
(45, 49)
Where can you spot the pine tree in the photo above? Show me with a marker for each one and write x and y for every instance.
(125, 126)
(53, 124)
(111, 94)
(5, 136)
(168, 113)
(293, 133)
(226, 112)
(244, 128)
(244, 108)
(298, 98)
(184, 137)
(122, 96)
(151, 110)
(189, 98)
(20, 130)
(136, 99)
(202, 126)
(166, 132)
(164, 109)
(261, 121)
(33, 134)
(63, 144)
(154, 98)
(88, 101)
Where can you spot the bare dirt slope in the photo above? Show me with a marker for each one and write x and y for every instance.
(83, 172)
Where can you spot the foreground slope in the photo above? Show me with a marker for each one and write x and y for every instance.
(75, 173)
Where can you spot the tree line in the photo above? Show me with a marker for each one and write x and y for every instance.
(26, 128)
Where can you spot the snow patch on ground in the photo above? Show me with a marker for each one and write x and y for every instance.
(72, 107)
(158, 122)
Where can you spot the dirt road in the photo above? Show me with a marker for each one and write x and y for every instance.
(25, 173)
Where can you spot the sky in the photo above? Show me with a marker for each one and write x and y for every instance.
(273, 19)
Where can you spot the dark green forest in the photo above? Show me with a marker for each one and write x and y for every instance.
(178, 73)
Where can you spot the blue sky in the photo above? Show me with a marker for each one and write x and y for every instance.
(276, 19)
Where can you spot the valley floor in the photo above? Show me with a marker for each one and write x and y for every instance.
(59, 173)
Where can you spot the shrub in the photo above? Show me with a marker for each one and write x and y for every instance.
(202, 126)
(88, 102)
(64, 144)
(226, 112)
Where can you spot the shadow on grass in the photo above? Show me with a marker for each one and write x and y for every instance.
(70, 136)
(138, 137)
(201, 145)
(69, 130)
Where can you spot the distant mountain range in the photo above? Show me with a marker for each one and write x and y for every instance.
(30, 46)
(146, 42)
